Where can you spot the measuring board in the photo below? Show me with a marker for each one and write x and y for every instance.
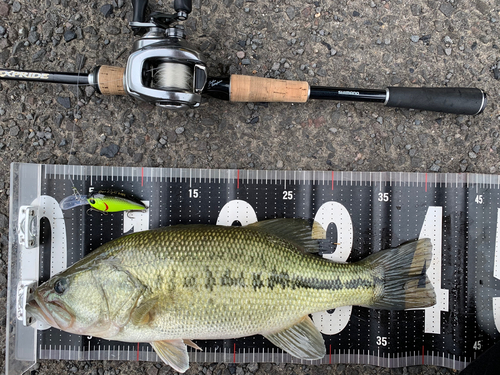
(362, 213)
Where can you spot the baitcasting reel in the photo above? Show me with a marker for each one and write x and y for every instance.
(162, 68)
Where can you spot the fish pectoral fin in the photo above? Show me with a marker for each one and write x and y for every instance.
(144, 313)
(192, 344)
(173, 353)
(302, 340)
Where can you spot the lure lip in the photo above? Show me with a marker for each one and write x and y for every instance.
(73, 201)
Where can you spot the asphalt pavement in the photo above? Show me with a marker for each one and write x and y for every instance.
(354, 44)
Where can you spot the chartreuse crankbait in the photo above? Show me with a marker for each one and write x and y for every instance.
(104, 201)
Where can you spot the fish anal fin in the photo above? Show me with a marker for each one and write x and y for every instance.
(173, 353)
(144, 313)
(192, 344)
(302, 340)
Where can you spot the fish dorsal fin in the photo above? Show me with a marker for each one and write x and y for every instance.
(173, 353)
(302, 340)
(296, 231)
(144, 313)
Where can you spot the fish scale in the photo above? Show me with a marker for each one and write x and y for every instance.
(223, 262)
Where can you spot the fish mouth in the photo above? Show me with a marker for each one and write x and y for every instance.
(51, 312)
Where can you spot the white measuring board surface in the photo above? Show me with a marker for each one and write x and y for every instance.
(362, 213)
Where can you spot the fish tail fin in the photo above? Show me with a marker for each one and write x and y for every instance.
(400, 274)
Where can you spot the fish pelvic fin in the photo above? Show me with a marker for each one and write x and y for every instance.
(173, 353)
(301, 340)
(401, 279)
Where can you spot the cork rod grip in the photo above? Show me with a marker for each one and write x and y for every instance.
(110, 80)
(258, 89)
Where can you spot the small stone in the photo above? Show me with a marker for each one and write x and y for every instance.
(245, 61)
(69, 35)
(416, 9)
(39, 55)
(110, 151)
(240, 54)
(16, 7)
(33, 37)
(447, 9)
(290, 12)
(414, 38)
(58, 119)
(138, 157)
(355, 14)
(434, 167)
(112, 30)
(476, 148)
(107, 10)
(472, 155)
(44, 155)
(4, 10)
(447, 51)
(496, 73)
(14, 131)
(252, 367)
(63, 142)
(89, 91)
(64, 101)
(179, 130)
(279, 164)
(275, 66)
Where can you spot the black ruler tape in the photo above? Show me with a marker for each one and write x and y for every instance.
(362, 212)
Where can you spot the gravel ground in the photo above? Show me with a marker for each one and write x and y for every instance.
(370, 44)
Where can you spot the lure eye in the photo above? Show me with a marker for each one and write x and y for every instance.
(92, 201)
(61, 285)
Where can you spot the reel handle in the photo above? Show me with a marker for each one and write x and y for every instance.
(139, 7)
(185, 6)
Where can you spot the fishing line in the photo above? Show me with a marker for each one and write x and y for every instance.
(76, 193)
(173, 76)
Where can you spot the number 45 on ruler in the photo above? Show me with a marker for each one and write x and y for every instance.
(336, 213)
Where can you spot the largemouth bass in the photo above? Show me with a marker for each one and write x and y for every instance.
(176, 284)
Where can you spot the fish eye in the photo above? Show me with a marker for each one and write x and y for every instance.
(92, 201)
(61, 285)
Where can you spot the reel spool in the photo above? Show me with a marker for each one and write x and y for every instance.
(173, 76)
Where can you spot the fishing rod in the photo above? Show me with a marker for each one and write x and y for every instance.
(165, 70)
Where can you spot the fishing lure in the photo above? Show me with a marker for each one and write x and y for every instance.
(104, 201)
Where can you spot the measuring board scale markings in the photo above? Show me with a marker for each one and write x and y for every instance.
(362, 212)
